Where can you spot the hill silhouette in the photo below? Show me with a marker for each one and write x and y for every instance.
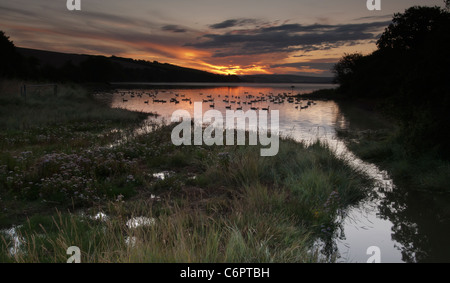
(49, 65)
(144, 71)
(34, 64)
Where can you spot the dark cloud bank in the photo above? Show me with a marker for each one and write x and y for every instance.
(284, 38)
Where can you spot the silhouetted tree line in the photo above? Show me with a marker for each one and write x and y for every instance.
(408, 75)
(98, 69)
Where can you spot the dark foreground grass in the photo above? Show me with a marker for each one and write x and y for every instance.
(222, 204)
(214, 204)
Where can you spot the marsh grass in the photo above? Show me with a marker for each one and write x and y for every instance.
(241, 207)
(216, 204)
(67, 127)
(424, 171)
(41, 108)
(182, 234)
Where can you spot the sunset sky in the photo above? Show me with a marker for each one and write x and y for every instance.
(302, 37)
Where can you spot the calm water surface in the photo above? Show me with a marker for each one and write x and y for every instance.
(398, 222)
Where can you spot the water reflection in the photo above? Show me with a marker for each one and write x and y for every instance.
(301, 119)
(358, 228)
(419, 220)
(355, 229)
(421, 224)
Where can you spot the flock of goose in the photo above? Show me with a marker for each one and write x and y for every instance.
(238, 101)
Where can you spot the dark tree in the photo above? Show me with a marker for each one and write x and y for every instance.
(346, 66)
(9, 58)
(346, 71)
(410, 30)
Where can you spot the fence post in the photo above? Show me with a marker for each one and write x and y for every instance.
(55, 90)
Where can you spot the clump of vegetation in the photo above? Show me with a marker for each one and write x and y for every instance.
(407, 77)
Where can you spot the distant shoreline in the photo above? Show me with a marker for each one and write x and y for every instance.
(288, 85)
